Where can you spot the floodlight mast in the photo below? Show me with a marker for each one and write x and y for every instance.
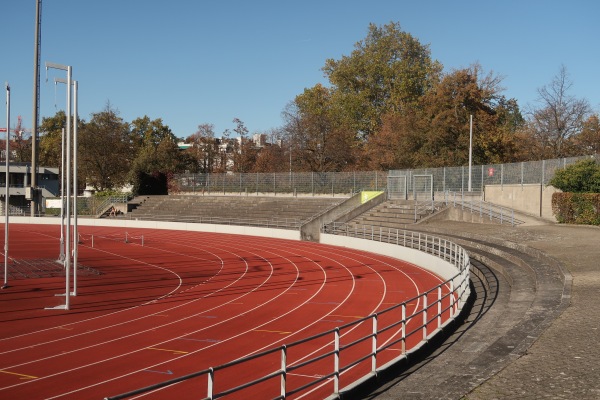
(470, 151)
(6, 198)
(35, 206)
(67, 263)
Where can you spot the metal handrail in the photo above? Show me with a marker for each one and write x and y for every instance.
(438, 307)
(495, 212)
(100, 208)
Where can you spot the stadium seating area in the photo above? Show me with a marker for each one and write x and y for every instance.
(271, 211)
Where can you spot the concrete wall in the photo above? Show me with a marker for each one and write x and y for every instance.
(344, 212)
(181, 226)
(533, 199)
(429, 262)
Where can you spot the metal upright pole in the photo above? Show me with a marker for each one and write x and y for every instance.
(62, 197)
(75, 238)
(36, 105)
(470, 151)
(7, 193)
(68, 231)
(75, 233)
(67, 261)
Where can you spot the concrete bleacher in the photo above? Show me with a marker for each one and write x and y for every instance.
(390, 214)
(288, 212)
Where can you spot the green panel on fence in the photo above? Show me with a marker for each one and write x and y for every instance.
(368, 195)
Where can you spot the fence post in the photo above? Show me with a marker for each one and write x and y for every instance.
(522, 172)
(543, 172)
(444, 181)
(481, 187)
(404, 328)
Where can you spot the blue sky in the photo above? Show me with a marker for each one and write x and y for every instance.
(192, 62)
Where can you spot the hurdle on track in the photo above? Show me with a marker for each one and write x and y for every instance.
(128, 238)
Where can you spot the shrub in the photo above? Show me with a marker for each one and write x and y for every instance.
(577, 208)
(581, 177)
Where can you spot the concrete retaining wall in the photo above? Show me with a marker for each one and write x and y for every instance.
(533, 199)
(181, 226)
(427, 261)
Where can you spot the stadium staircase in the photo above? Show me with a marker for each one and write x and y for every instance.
(392, 214)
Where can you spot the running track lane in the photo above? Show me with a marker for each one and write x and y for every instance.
(181, 303)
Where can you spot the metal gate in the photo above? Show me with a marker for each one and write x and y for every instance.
(422, 187)
(397, 187)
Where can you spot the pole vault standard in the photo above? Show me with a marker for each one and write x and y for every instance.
(75, 233)
(67, 261)
(7, 194)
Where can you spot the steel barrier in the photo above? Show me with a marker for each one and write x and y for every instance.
(347, 355)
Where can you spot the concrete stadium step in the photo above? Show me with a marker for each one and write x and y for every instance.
(233, 207)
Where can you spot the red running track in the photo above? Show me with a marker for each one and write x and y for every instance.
(182, 302)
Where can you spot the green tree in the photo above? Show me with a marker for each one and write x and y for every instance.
(105, 150)
(21, 143)
(157, 159)
(581, 177)
(50, 144)
(437, 133)
(397, 144)
(319, 137)
(204, 150)
(449, 106)
(388, 72)
(244, 150)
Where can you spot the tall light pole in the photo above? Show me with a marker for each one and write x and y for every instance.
(67, 262)
(470, 150)
(7, 194)
(36, 107)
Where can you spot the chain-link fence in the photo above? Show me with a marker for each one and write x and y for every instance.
(409, 183)
(307, 183)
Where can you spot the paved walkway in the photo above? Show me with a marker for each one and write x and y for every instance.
(552, 352)
(564, 362)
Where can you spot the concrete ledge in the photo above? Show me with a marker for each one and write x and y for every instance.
(181, 226)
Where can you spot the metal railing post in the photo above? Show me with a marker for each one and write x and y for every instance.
(211, 383)
(374, 345)
(452, 299)
(424, 316)
(336, 362)
(439, 307)
(283, 370)
(403, 328)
